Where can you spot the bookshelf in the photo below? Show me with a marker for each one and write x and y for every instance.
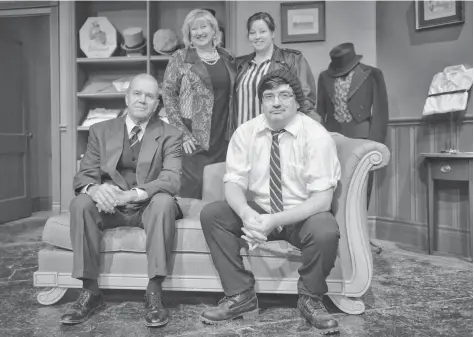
(77, 71)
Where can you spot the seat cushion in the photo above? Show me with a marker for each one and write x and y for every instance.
(189, 236)
(130, 239)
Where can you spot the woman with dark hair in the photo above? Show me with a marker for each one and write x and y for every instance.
(197, 94)
(268, 57)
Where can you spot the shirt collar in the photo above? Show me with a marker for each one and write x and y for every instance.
(130, 124)
(293, 127)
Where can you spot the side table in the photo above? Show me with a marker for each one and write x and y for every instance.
(447, 166)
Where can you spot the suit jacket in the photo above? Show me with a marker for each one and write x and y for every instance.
(188, 93)
(159, 162)
(291, 60)
(367, 103)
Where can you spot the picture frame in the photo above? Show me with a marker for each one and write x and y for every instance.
(303, 21)
(430, 14)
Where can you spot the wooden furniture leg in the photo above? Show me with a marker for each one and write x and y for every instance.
(470, 211)
(430, 209)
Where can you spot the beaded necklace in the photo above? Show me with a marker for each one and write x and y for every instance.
(210, 60)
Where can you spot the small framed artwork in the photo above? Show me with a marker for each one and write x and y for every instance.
(303, 21)
(429, 14)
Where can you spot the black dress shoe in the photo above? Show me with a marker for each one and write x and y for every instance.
(316, 313)
(155, 313)
(243, 305)
(83, 308)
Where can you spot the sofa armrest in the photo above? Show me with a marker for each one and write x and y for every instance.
(357, 158)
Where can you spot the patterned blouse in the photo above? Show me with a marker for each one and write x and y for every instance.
(248, 103)
(341, 90)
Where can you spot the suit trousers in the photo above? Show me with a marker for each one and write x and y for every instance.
(156, 217)
(317, 237)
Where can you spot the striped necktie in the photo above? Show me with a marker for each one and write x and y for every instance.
(134, 138)
(276, 194)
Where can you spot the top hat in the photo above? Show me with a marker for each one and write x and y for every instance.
(133, 40)
(343, 60)
(165, 41)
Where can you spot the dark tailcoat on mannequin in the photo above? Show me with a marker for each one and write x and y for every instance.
(367, 101)
(155, 169)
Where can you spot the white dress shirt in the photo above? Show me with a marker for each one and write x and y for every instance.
(454, 78)
(308, 159)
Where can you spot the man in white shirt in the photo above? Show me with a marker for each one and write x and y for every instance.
(289, 162)
(129, 175)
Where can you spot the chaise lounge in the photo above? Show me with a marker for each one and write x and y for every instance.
(275, 264)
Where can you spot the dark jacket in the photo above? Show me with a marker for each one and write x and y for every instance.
(158, 166)
(288, 59)
(367, 103)
(188, 94)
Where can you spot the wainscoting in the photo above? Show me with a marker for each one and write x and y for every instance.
(398, 210)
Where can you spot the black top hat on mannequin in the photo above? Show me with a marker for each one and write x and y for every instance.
(343, 60)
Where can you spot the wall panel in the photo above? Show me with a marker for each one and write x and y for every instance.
(401, 210)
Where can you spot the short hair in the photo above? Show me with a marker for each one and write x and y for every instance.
(279, 77)
(189, 20)
(265, 17)
(145, 76)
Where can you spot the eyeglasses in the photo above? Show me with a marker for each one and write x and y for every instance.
(282, 96)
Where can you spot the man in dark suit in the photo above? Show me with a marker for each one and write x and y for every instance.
(128, 177)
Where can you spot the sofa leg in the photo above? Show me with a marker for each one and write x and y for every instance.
(350, 305)
(51, 295)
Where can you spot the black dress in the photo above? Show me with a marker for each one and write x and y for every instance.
(193, 165)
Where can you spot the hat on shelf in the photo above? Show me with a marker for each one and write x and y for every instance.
(133, 40)
(165, 41)
(343, 60)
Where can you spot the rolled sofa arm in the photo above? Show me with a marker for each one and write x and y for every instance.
(357, 158)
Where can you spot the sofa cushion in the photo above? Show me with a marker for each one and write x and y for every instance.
(132, 239)
(189, 236)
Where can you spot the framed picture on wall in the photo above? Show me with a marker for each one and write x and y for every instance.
(429, 14)
(303, 21)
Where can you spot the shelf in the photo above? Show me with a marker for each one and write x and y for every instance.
(160, 58)
(83, 128)
(113, 60)
(101, 95)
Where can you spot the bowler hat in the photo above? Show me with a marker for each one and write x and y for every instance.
(343, 60)
(165, 41)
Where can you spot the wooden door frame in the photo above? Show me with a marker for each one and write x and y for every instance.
(52, 13)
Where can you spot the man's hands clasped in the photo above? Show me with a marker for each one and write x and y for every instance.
(256, 227)
(107, 197)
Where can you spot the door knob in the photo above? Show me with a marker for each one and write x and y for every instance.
(29, 135)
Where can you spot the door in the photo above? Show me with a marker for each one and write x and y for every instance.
(15, 201)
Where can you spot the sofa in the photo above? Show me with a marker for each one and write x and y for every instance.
(275, 264)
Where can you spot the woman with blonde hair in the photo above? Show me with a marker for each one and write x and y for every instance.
(197, 95)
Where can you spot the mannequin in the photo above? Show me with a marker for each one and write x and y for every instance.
(352, 99)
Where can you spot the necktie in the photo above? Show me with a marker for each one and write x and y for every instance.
(134, 138)
(276, 194)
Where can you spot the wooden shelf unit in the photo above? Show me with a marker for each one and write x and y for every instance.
(78, 71)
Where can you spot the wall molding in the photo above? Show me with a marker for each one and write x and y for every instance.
(401, 121)
(447, 239)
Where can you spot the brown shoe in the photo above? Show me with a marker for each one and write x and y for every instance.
(243, 305)
(155, 313)
(83, 308)
(316, 313)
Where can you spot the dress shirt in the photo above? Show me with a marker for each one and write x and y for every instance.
(440, 97)
(308, 158)
(142, 195)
